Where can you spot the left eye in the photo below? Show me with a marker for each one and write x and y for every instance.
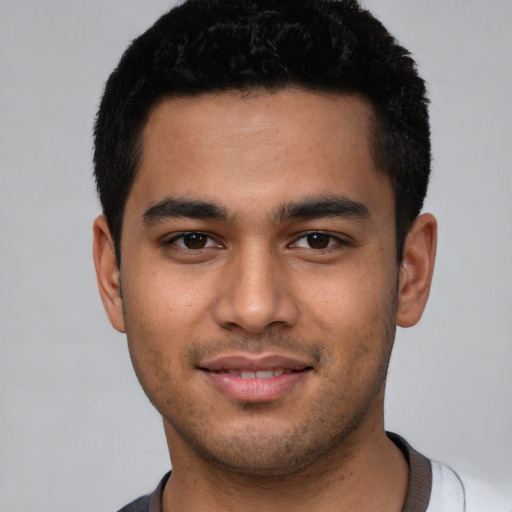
(317, 241)
(193, 240)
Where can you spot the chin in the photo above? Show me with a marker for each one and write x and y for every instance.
(269, 452)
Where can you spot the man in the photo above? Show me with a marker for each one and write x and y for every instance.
(262, 166)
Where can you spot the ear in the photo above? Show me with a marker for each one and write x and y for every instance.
(107, 273)
(416, 269)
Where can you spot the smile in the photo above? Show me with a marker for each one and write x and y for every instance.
(249, 379)
(258, 374)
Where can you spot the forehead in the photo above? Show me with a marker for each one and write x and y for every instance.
(280, 146)
(290, 116)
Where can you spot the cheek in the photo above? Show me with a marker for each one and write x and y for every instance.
(348, 297)
(161, 314)
(160, 295)
(156, 342)
(354, 312)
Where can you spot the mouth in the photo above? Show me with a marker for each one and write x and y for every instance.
(257, 374)
(255, 379)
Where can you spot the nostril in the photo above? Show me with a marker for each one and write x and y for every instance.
(254, 299)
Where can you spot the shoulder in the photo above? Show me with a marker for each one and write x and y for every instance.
(139, 505)
(481, 497)
(149, 503)
(452, 491)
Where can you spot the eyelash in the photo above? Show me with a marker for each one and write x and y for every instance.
(173, 241)
(332, 241)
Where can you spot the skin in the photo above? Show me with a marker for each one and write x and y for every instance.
(259, 278)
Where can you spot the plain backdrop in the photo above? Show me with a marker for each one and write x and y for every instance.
(76, 432)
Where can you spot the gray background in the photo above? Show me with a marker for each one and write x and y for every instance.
(76, 433)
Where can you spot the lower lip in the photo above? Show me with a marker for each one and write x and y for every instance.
(254, 390)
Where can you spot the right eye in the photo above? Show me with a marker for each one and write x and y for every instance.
(193, 240)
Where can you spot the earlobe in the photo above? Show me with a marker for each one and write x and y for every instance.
(417, 267)
(107, 273)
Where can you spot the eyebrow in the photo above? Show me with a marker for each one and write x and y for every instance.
(319, 207)
(312, 208)
(170, 208)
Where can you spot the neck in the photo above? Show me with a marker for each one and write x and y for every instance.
(367, 473)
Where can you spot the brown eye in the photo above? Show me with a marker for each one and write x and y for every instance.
(195, 240)
(318, 240)
(192, 245)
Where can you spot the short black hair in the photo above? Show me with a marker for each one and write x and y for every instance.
(206, 46)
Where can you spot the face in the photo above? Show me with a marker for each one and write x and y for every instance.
(259, 285)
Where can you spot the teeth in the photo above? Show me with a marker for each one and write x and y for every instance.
(264, 374)
(260, 374)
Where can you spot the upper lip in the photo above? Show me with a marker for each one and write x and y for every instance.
(251, 362)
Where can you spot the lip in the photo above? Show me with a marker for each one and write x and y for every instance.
(256, 389)
(251, 362)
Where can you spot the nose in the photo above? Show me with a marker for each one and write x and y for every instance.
(254, 294)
